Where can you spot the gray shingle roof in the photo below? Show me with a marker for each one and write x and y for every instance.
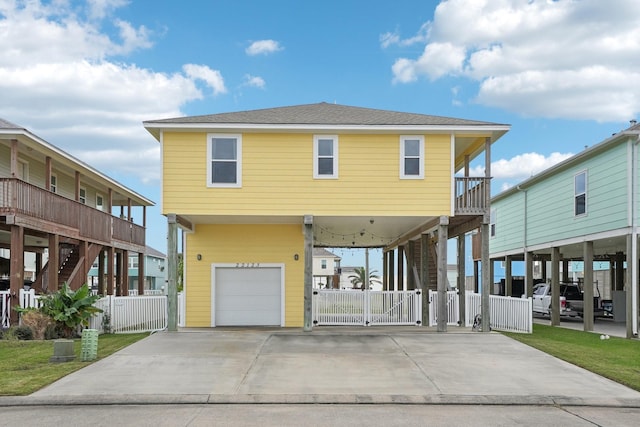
(323, 253)
(4, 124)
(321, 114)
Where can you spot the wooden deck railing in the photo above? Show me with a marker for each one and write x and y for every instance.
(21, 198)
(472, 195)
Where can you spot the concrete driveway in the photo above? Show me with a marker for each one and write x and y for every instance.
(332, 365)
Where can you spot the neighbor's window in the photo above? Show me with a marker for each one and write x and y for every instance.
(323, 264)
(411, 157)
(83, 196)
(53, 184)
(224, 167)
(580, 193)
(325, 156)
(99, 202)
(492, 223)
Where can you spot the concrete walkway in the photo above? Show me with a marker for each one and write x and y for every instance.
(331, 365)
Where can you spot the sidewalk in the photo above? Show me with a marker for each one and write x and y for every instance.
(331, 365)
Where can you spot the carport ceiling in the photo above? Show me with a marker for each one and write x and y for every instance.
(335, 231)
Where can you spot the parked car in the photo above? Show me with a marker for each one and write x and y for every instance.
(541, 301)
(571, 300)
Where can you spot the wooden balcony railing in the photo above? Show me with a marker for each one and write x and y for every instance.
(21, 198)
(472, 195)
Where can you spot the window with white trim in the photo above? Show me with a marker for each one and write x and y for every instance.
(325, 156)
(224, 164)
(82, 198)
(53, 183)
(412, 157)
(323, 264)
(99, 202)
(580, 193)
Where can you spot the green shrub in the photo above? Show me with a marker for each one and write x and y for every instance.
(24, 333)
(70, 309)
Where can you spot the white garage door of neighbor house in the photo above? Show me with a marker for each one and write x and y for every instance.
(247, 296)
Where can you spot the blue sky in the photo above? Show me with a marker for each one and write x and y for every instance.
(83, 75)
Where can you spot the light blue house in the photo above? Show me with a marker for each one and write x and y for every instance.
(579, 214)
(155, 272)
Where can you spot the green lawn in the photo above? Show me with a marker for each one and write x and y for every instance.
(26, 368)
(616, 358)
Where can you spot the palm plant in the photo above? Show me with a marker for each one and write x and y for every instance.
(358, 279)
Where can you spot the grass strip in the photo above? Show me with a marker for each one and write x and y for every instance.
(615, 358)
(26, 367)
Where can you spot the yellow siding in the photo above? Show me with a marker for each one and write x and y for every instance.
(278, 177)
(243, 244)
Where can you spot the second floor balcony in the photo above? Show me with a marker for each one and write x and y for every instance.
(472, 195)
(26, 204)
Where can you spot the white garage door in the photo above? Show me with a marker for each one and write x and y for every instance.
(247, 296)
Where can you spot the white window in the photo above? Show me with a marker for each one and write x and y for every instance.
(99, 202)
(412, 157)
(580, 193)
(323, 264)
(325, 156)
(53, 184)
(23, 170)
(83, 196)
(224, 165)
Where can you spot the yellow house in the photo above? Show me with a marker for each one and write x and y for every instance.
(257, 190)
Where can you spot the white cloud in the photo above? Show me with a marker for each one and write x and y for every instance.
(391, 38)
(565, 59)
(213, 78)
(58, 80)
(254, 81)
(263, 47)
(521, 167)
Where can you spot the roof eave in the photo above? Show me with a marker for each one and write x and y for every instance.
(19, 132)
(496, 130)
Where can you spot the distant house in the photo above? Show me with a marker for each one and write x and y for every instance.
(65, 212)
(585, 209)
(326, 269)
(155, 271)
(255, 191)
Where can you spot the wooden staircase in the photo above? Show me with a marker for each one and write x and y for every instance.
(73, 269)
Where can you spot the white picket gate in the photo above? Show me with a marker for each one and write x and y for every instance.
(366, 308)
(453, 311)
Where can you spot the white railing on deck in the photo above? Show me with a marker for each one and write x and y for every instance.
(453, 312)
(368, 308)
(506, 313)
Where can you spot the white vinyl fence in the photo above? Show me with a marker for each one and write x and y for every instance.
(366, 308)
(506, 313)
(5, 309)
(147, 292)
(130, 314)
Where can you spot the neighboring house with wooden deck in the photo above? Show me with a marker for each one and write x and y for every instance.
(60, 208)
(257, 190)
(583, 209)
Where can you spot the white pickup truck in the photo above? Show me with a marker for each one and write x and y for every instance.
(541, 300)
